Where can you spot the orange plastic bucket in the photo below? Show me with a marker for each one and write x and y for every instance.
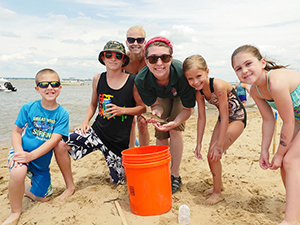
(146, 154)
(141, 159)
(149, 187)
(146, 151)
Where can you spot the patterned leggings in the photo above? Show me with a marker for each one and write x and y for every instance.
(83, 144)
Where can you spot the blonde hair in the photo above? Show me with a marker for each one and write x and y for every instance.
(43, 72)
(255, 52)
(136, 27)
(194, 62)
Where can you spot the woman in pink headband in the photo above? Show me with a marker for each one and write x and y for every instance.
(163, 86)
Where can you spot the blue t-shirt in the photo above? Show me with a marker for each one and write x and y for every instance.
(38, 125)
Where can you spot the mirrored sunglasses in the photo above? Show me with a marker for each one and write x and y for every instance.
(117, 55)
(54, 84)
(154, 58)
(139, 40)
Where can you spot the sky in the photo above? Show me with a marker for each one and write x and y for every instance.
(67, 35)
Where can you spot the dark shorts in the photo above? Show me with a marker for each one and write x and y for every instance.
(243, 98)
(81, 145)
(172, 107)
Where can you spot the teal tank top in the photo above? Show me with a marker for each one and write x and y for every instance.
(295, 96)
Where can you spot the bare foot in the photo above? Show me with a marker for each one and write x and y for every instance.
(32, 196)
(213, 199)
(67, 193)
(13, 219)
(210, 191)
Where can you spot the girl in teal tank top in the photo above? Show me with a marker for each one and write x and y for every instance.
(275, 86)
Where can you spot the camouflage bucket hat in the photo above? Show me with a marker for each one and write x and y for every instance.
(114, 46)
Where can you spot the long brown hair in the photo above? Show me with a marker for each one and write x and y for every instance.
(270, 65)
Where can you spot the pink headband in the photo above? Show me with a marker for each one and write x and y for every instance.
(161, 39)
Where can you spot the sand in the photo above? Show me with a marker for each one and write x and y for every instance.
(252, 195)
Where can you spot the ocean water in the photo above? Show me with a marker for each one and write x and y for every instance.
(75, 99)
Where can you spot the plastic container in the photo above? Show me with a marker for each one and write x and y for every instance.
(138, 160)
(184, 216)
(148, 179)
(146, 151)
(146, 154)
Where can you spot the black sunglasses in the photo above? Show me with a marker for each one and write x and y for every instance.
(54, 84)
(154, 58)
(118, 56)
(131, 40)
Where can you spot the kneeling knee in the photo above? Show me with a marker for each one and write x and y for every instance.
(290, 162)
(18, 174)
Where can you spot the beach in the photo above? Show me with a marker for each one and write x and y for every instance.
(252, 195)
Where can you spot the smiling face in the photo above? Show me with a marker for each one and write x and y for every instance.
(159, 69)
(135, 47)
(196, 71)
(197, 78)
(247, 67)
(50, 93)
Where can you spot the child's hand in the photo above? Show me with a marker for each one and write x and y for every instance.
(215, 154)
(113, 110)
(82, 129)
(14, 164)
(264, 160)
(276, 162)
(198, 152)
(21, 157)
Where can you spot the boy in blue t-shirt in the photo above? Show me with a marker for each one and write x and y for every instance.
(39, 127)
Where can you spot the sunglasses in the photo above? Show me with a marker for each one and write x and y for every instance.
(118, 56)
(154, 58)
(54, 84)
(139, 40)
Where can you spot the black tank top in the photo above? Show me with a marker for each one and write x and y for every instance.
(115, 132)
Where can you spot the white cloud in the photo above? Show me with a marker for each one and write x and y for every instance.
(6, 13)
(102, 16)
(210, 28)
(24, 55)
(57, 17)
(47, 63)
(81, 14)
(184, 29)
(9, 34)
(103, 3)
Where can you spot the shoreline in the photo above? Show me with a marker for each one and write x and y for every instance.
(209, 112)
